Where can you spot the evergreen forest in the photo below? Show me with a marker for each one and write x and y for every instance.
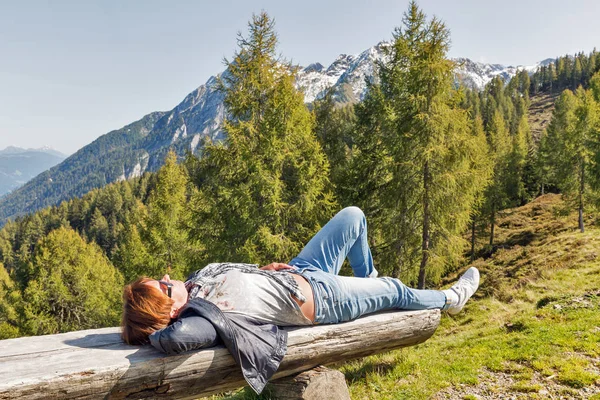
(431, 163)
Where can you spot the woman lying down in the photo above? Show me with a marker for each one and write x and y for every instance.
(242, 306)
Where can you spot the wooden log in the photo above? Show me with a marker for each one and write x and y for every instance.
(96, 363)
(315, 384)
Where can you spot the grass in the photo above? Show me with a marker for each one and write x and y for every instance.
(531, 331)
(540, 113)
(535, 317)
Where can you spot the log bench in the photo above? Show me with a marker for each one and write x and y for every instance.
(94, 364)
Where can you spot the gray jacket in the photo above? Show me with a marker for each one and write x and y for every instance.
(257, 348)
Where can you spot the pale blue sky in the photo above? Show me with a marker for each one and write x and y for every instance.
(71, 71)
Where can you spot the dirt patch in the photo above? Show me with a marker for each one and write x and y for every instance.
(504, 386)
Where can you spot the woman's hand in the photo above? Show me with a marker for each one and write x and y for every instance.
(276, 267)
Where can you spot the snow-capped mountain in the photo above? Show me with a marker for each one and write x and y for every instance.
(351, 71)
(346, 72)
(142, 145)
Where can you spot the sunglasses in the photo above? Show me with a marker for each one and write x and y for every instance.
(168, 285)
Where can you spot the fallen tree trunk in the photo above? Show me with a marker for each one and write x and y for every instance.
(96, 363)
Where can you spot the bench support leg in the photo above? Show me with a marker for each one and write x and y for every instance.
(316, 384)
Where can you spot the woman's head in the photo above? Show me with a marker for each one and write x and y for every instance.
(145, 309)
(150, 305)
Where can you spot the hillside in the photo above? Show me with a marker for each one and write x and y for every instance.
(532, 331)
(540, 113)
(18, 166)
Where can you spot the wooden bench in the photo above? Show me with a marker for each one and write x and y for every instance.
(94, 364)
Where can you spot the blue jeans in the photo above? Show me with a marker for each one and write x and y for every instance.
(342, 298)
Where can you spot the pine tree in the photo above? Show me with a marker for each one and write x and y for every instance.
(552, 77)
(500, 147)
(516, 163)
(542, 163)
(571, 137)
(524, 83)
(73, 286)
(562, 72)
(433, 172)
(164, 231)
(264, 191)
(577, 73)
(132, 257)
(594, 136)
(590, 67)
(478, 209)
(393, 228)
(10, 300)
(334, 127)
(98, 230)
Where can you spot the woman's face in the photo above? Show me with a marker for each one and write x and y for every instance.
(179, 293)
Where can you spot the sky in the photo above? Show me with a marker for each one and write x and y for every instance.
(71, 71)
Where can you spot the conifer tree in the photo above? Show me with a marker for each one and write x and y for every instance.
(98, 230)
(542, 163)
(393, 223)
(264, 191)
(572, 133)
(500, 147)
(524, 83)
(590, 67)
(577, 73)
(562, 73)
(10, 300)
(551, 77)
(478, 209)
(434, 171)
(164, 230)
(132, 257)
(517, 160)
(595, 87)
(72, 286)
(334, 126)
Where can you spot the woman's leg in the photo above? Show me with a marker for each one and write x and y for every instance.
(345, 235)
(342, 298)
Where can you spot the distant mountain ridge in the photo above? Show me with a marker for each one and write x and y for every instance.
(142, 145)
(44, 149)
(17, 165)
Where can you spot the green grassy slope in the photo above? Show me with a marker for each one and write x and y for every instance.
(532, 330)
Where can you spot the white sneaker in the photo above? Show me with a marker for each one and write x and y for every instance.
(464, 289)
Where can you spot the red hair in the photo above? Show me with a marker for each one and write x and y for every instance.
(145, 309)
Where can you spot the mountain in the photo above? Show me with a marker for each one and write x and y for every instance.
(18, 165)
(44, 149)
(142, 145)
(348, 72)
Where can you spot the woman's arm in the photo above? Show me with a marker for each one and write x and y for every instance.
(185, 334)
(276, 267)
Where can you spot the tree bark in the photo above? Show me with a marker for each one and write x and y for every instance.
(473, 239)
(492, 223)
(581, 188)
(315, 384)
(425, 246)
